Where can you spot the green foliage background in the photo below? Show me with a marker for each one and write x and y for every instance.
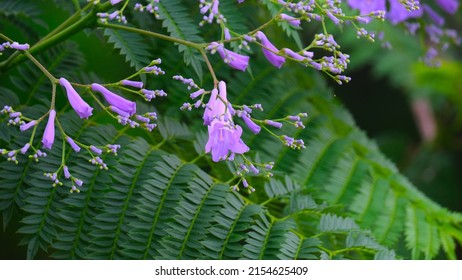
(164, 199)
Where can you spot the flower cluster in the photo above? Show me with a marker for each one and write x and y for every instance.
(438, 38)
(14, 45)
(124, 110)
(152, 7)
(224, 135)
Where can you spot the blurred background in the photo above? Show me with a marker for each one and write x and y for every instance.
(410, 110)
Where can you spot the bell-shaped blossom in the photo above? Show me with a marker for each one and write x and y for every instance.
(291, 20)
(135, 84)
(217, 107)
(74, 146)
(269, 50)
(49, 133)
(436, 18)
(235, 60)
(255, 128)
(28, 125)
(78, 104)
(449, 6)
(224, 138)
(115, 100)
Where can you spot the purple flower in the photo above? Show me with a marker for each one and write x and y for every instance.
(293, 54)
(74, 146)
(211, 107)
(398, 12)
(273, 123)
(291, 20)
(235, 60)
(96, 150)
(216, 107)
(25, 148)
(135, 84)
(19, 47)
(436, 18)
(67, 174)
(449, 6)
(114, 2)
(115, 100)
(28, 125)
(78, 104)
(223, 139)
(196, 94)
(250, 124)
(366, 7)
(49, 134)
(269, 50)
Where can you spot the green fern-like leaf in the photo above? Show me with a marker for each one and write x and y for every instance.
(176, 19)
(130, 45)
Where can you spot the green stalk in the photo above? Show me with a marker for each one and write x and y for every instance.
(57, 38)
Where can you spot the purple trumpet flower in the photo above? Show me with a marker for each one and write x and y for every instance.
(223, 139)
(269, 50)
(74, 146)
(78, 104)
(436, 18)
(135, 84)
(67, 174)
(235, 60)
(28, 125)
(49, 134)
(216, 107)
(115, 100)
(290, 20)
(273, 123)
(449, 6)
(293, 54)
(250, 124)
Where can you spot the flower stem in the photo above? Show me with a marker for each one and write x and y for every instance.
(209, 66)
(152, 34)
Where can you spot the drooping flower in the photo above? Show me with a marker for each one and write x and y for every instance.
(291, 20)
(74, 146)
(449, 6)
(49, 133)
(269, 50)
(115, 100)
(28, 125)
(223, 139)
(217, 107)
(135, 84)
(235, 60)
(78, 104)
(436, 18)
(224, 136)
(255, 128)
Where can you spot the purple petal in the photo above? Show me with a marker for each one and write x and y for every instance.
(115, 100)
(269, 51)
(250, 124)
(135, 84)
(78, 104)
(49, 134)
(28, 125)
